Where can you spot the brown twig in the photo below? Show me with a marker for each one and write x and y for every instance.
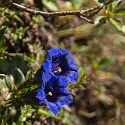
(83, 14)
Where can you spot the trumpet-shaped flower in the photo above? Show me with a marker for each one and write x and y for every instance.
(54, 94)
(59, 63)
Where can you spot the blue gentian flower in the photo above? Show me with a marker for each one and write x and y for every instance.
(55, 95)
(60, 64)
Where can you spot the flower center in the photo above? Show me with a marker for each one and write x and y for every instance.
(58, 70)
(49, 94)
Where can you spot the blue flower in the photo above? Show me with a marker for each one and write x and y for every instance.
(55, 95)
(60, 64)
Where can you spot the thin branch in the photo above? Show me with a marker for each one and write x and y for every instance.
(84, 14)
(64, 13)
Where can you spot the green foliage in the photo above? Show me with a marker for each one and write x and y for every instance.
(120, 12)
(106, 61)
(101, 1)
(100, 20)
(15, 68)
(26, 112)
(118, 24)
(2, 40)
(22, 114)
(67, 117)
(17, 33)
(115, 5)
(82, 77)
(77, 3)
(36, 18)
(4, 66)
(5, 84)
(50, 4)
(112, 11)
(98, 51)
(19, 76)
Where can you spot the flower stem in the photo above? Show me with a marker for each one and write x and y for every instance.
(43, 112)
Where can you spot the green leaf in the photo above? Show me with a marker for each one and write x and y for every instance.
(18, 62)
(36, 18)
(5, 82)
(76, 3)
(97, 2)
(2, 31)
(100, 20)
(120, 12)
(19, 76)
(50, 4)
(2, 40)
(116, 3)
(104, 62)
(123, 29)
(26, 112)
(101, 1)
(4, 66)
(17, 70)
(2, 83)
(117, 23)
(21, 64)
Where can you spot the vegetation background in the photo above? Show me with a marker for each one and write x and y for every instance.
(98, 50)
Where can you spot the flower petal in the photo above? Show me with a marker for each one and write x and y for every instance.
(53, 107)
(70, 59)
(62, 91)
(49, 79)
(65, 100)
(40, 94)
(59, 105)
(47, 66)
(72, 76)
(62, 82)
(64, 51)
(55, 52)
(45, 78)
(73, 67)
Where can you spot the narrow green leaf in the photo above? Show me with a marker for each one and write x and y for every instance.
(2, 40)
(123, 29)
(97, 2)
(2, 31)
(111, 7)
(104, 62)
(21, 64)
(5, 82)
(4, 66)
(18, 62)
(117, 23)
(19, 76)
(120, 12)
(101, 1)
(26, 112)
(116, 3)
(100, 20)
(51, 5)
(76, 3)
(2, 83)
